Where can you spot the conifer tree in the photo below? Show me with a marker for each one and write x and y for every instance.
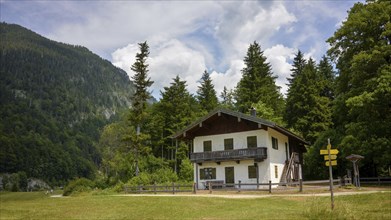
(227, 97)
(138, 113)
(297, 67)
(258, 83)
(206, 94)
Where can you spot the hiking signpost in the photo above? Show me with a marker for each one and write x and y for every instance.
(330, 156)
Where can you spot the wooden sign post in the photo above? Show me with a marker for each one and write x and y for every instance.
(330, 158)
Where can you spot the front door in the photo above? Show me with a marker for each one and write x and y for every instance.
(229, 175)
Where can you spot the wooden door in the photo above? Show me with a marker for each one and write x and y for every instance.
(229, 175)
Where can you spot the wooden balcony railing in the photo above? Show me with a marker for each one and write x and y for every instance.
(259, 154)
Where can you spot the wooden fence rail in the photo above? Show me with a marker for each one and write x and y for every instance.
(375, 180)
(218, 185)
(173, 188)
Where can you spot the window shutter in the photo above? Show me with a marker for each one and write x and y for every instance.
(213, 173)
(202, 174)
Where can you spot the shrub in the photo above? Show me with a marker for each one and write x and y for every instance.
(78, 185)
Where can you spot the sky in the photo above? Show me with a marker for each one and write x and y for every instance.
(187, 37)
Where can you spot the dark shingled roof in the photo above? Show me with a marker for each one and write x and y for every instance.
(245, 117)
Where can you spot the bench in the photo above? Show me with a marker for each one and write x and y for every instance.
(216, 184)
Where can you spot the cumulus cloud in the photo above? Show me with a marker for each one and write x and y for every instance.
(168, 59)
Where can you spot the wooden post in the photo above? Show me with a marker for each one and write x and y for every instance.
(270, 186)
(154, 187)
(210, 187)
(331, 175)
(301, 185)
(240, 182)
(173, 188)
(194, 188)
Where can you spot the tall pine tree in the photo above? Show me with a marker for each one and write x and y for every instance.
(138, 113)
(206, 94)
(258, 83)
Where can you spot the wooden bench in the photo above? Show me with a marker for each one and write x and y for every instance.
(216, 184)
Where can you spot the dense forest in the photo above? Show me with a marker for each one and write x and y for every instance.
(345, 96)
(54, 101)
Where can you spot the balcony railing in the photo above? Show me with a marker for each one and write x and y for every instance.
(259, 154)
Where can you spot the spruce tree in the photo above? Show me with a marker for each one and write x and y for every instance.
(227, 97)
(258, 83)
(138, 113)
(297, 67)
(206, 94)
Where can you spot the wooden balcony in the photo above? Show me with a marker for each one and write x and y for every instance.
(258, 154)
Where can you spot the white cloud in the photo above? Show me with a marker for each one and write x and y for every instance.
(167, 60)
(279, 58)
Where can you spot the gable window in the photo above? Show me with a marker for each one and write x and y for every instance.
(229, 144)
(208, 173)
(251, 141)
(252, 172)
(274, 143)
(207, 146)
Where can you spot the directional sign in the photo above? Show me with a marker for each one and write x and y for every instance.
(332, 157)
(333, 163)
(332, 151)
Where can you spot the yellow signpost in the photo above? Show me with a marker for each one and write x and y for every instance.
(326, 152)
(330, 156)
(333, 163)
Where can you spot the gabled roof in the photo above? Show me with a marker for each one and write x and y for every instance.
(261, 122)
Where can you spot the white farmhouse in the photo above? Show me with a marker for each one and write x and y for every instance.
(229, 147)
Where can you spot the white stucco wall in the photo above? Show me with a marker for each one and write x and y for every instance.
(266, 168)
(240, 140)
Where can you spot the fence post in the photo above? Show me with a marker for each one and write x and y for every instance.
(301, 185)
(210, 187)
(173, 188)
(194, 188)
(270, 186)
(154, 187)
(340, 182)
(139, 189)
(240, 182)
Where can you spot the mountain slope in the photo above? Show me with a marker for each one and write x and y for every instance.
(54, 99)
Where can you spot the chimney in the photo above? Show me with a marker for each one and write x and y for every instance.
(253, 112)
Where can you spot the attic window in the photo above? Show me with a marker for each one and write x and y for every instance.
(252, 142)
(274, 143)
(207, 146)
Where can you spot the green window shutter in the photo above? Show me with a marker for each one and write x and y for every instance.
(252, 172)
(213, 173)
(202, 174)
(229, 144)
(252, 142)
(207, 146)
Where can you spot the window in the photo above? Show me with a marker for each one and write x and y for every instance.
(276, 171)
(251, 141)
(252, 172)
(207, 146)
(274, 143)
(208, 173)
(229, 144)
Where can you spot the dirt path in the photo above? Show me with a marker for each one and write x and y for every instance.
(246, 196)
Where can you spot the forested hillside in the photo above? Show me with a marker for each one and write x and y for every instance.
(54, 100)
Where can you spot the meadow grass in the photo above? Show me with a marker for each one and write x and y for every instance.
(37, 205)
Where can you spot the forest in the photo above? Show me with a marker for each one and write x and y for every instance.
(63, 131)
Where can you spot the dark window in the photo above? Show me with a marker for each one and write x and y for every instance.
(276, 171)
(208, 173)
(252, 172)
(229, 144)
(207, 146)
(252, 142)
(274, 143)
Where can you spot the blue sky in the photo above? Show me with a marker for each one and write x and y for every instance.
(187, 37)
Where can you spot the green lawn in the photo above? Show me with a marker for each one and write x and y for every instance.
(37, 205)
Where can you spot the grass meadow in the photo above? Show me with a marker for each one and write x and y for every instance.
(37, 205)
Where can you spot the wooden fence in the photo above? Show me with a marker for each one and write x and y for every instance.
(220, 186)
(376, 180)
(173, 188)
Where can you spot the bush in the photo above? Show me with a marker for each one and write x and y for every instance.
(78, 185)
